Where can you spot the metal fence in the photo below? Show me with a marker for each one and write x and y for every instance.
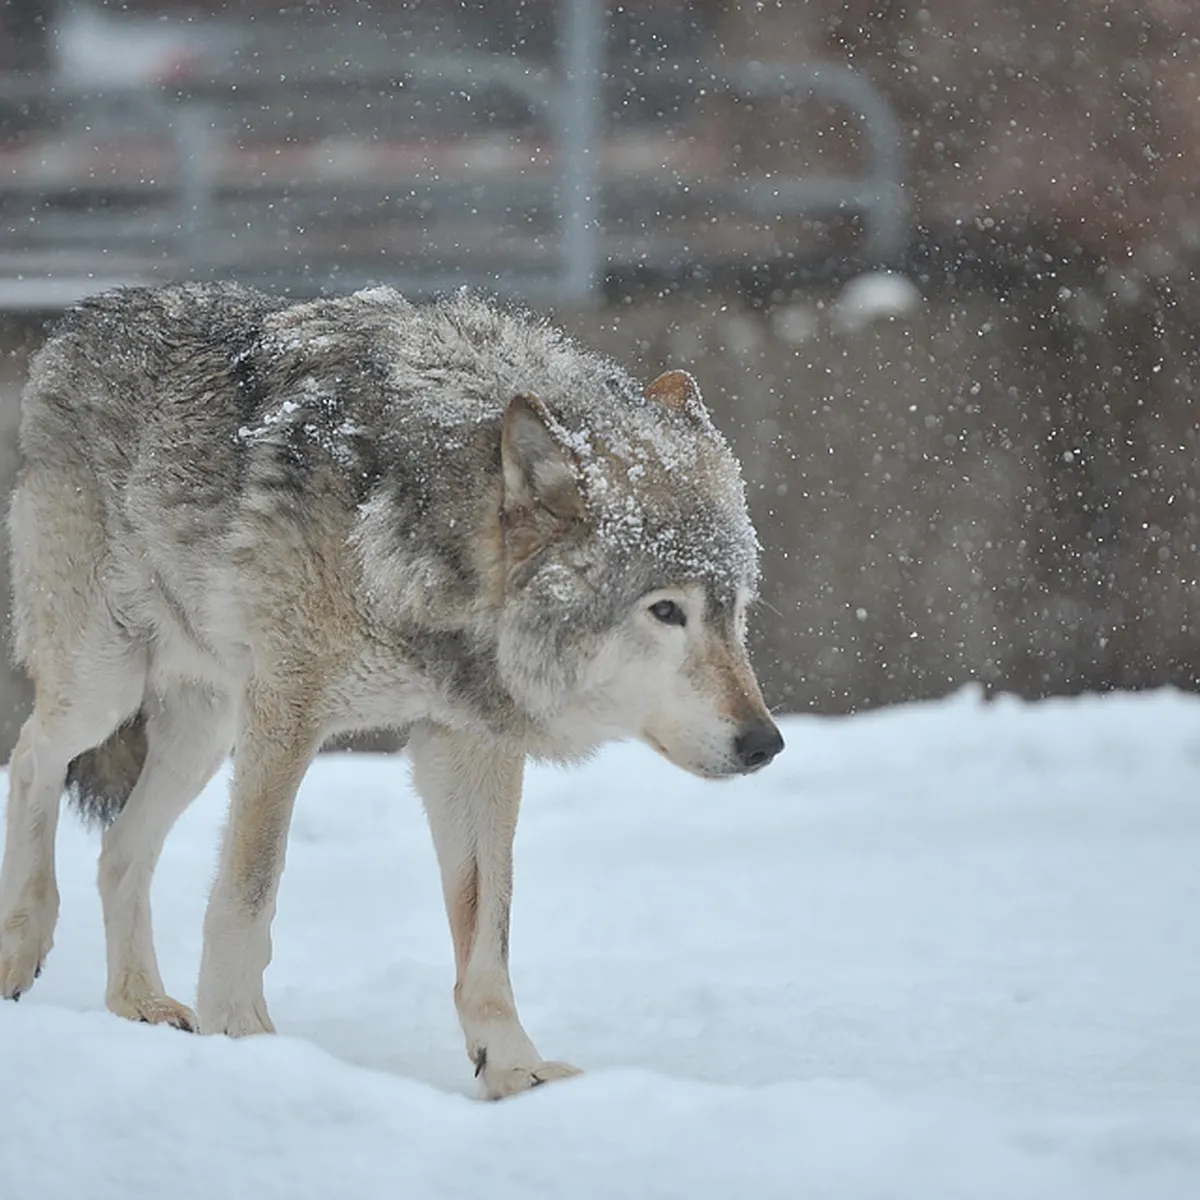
(436, 171)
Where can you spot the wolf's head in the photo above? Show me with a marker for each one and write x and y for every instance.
(629, 563)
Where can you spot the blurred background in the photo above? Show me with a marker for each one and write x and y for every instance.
(934, 264)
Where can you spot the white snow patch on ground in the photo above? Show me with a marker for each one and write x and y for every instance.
(950, 950)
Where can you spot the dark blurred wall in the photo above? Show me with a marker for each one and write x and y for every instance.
(1033, 126)
(988, 489)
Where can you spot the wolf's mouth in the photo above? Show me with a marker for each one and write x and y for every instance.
(655, 744)
(692, 768)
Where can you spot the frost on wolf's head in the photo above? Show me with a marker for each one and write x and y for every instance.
(667, 498)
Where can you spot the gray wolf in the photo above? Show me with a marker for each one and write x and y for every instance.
(246, 525)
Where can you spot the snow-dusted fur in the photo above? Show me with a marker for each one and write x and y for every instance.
(243, 522)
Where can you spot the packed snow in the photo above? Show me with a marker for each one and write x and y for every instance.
(947, 950)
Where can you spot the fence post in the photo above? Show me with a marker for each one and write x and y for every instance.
(192, 128)
(581, 36)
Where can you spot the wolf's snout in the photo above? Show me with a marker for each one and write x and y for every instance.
(756, 746)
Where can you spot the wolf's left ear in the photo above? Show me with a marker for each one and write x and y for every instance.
(678, 391)
(539, 472)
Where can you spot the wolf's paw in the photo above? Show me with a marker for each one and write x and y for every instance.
(235, 1020)
(24, 944)
(154, 1010)
(499, 1081)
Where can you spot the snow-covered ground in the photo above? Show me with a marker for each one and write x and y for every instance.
(951, 950)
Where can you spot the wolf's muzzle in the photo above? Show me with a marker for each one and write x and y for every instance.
(756, 746)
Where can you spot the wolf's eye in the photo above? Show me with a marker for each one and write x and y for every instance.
(668, 612)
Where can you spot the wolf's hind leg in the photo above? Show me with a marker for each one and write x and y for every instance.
(189, 731)
(71, 715)
(472, 794)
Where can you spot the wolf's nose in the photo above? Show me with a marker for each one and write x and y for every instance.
(757, 746)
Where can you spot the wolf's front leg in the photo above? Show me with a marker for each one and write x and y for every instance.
(472, 793)
(274, 748)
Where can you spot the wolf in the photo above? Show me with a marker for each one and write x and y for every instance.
(246, 525)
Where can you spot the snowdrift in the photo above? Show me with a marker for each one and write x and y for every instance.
(948, 950)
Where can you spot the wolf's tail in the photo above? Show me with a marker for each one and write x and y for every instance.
(99, 780)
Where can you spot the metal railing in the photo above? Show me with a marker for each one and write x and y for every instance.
(878, 194)
(151, 183)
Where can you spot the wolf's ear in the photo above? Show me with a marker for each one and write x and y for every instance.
(539, 472)
(678, 391)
